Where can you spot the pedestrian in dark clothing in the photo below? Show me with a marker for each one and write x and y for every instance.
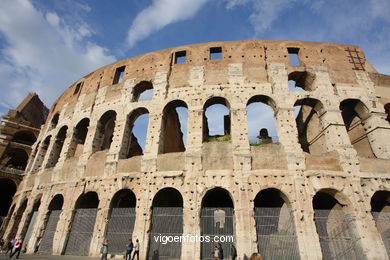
(10, 246)
(18, 248)
(233, 252)
(104, 250)
(220, 254)
(129, 249)
(136, 249)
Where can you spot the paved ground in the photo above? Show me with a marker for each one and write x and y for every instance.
(48, 257)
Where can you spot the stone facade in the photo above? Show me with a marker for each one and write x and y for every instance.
(19, 130)
(333, 157)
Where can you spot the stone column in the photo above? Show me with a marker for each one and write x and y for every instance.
(378, 134)
(190, 249)
(194, 141)
(99, 230)
(149, 159)
(116, 144)
(63, 229)
(65, 148)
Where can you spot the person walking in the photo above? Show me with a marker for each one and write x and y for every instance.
(233, 252)
(17, 249)
(136, 249)
(129, 249)
(215, 253)
(104, 250)
(9, 247)
(220, 254)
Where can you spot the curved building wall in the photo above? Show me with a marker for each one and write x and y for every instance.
(337, 145)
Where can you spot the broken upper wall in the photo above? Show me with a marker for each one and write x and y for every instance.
(214, 57)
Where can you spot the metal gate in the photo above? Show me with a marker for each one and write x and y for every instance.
(166, 221)
(338, 240)
(120, 229)
(30, 228)
(46, 244)
(276, 237)
(81, 232)
(382, 220)
(217, 222)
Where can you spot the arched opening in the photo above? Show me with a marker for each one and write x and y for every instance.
(387, 110)
(143, 91)
(5, 221)
(24, 137)
(275, 226)
(121, 220)
(135, 133)
(217, 219)
(380, 210)
(51, 221)
(54, 121)
(216, 120)
(17, 218)
(311, 131)
(261, 121)
(7, 191)
(104, 131)
(57, 147)
(78, 139)
(167, 220)
(354, 114)
(30, 223)
(300, 81)
(41, 153)
(83, 223)
(335, 228)
(15, 158)
(174, 127)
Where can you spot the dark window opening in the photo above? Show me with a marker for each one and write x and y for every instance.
(311, 135)
(54, 121)
(143, 91)
(380, 210)
(24, 137)
(261, 121)
(168, 197)
(354, 112)
(180, 57)
(216, 120)
(87, 200)
(387, 110)
(173, 134)
(77, 88)
(119, 73)
(57, 147)
(15, 158)
(7, 191)
(293, 54)
(57, 202)
(217, 197)
(215, 53)
(135, 133)
(123, 199)
(79, 135)
(105, 131)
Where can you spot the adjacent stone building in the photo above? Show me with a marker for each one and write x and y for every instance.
(19, 130)
(321, 191)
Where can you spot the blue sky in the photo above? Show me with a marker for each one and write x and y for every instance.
(47, 45)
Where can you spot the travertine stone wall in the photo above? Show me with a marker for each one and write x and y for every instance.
(247, 69)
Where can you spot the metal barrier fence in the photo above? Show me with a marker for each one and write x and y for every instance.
(166, 221)
(216, 222)
(276, 236)
(46, 244)
(382, 220)
(81, 232)
(338, 240)
(30, 228)
(120, 229)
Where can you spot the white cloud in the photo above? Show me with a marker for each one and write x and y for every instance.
(160, 14)
(42, 53)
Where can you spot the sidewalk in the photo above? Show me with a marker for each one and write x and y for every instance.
(48, 257)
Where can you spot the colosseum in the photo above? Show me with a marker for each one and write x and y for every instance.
(316, 187)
